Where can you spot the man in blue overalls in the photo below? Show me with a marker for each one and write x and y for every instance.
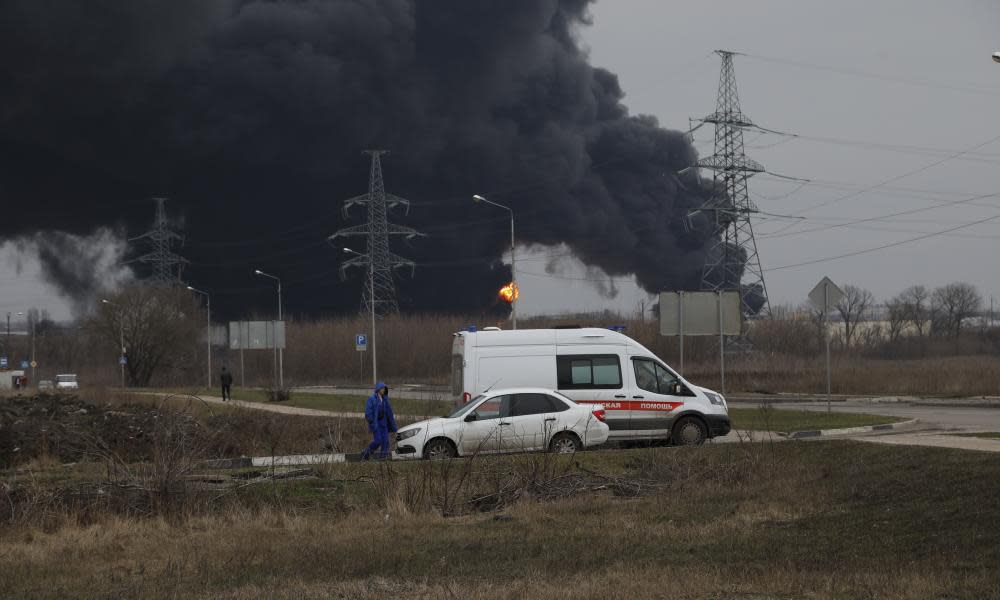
(378, 413)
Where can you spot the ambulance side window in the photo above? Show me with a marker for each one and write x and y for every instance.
(589, 372)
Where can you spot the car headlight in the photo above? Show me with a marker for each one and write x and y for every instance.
(403, 435)
(716, 399)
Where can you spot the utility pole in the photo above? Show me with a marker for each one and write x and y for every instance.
(379, 297)
(208, 332)
(121, 336)
(733, 262)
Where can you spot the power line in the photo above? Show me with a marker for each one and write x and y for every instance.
(778, 233)
(885, 246)
(870, 75)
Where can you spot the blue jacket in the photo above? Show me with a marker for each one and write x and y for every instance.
(378, 412)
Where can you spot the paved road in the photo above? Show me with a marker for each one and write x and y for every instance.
(415, 392)
(934, 424)
(947, 417)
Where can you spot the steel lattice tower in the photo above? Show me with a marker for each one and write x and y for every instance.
(733, 261)
(379, 260)
(161, 256)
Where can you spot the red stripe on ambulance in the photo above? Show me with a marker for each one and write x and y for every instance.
(635, 405)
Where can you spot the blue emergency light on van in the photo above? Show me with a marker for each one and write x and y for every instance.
(472, 329)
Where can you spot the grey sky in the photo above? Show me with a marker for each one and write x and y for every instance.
(662, 53)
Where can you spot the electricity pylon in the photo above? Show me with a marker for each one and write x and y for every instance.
(162, 258)
(379, 297)
(733, 262)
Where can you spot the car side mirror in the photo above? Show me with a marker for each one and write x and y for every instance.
(470, 417)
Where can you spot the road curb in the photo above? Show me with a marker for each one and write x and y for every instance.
(810, 433)
(294, 460)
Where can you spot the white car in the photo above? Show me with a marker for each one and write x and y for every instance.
(510, 420)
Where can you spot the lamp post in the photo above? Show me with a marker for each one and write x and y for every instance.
(279, 352)
(6, 349)
(34, 317)
(371, 302)
(208, 332)
(121, 335)
(513, 263)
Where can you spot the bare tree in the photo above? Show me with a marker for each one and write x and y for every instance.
(852, 307)
(896, 310)
(951, 305)
(914, 301)
(160, 326)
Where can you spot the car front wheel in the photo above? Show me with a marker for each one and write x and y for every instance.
(439, 449)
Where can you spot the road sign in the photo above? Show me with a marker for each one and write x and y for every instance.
(24, 364)
(3, 362)
(361, 342)
(34, 364)
(826, 294)
(123, 360)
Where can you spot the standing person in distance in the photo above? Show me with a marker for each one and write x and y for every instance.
(226, 378)
(378, 413)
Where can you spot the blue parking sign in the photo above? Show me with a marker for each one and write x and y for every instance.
(361, 342)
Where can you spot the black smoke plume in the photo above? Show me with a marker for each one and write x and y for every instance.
(251, 116)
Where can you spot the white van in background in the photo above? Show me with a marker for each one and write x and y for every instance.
(643, 398)
(67, 381)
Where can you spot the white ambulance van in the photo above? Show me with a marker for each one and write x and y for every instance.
(643, 398)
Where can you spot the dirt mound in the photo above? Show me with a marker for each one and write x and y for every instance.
(66, 428)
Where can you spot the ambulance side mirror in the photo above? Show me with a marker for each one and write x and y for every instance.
(470, 417)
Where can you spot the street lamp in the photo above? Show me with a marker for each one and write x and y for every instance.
(279, 353)
(513, 268)
(371, 301)
(208, 331)
(121, 338)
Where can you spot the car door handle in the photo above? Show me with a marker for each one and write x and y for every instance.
(638, 397)
(620, 396)
(551, 419)
(502, 423)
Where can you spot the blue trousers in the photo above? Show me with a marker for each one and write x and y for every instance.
(380, 439)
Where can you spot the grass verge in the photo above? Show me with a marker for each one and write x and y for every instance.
(776, 419)
(824, 520)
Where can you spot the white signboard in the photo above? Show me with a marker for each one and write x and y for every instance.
(700, 313)
(256, 335)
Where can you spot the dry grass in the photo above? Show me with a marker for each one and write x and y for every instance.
(816, 520)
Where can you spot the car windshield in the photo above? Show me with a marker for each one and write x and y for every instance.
(65, 378)
(458, 412)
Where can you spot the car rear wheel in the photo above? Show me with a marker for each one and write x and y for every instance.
(689, 431)
(439, 449)
(564, 443)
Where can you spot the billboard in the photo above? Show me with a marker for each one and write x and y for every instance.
(700, 313)
(256, 335)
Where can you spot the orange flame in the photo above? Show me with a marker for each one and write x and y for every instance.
(510, 292)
